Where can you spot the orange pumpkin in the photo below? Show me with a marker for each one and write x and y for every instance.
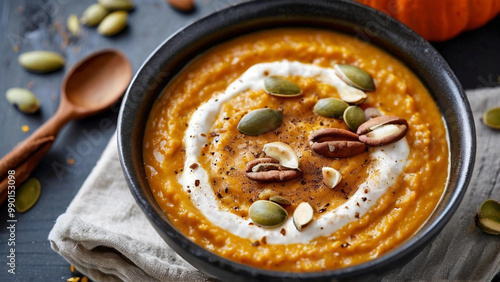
(438, 20)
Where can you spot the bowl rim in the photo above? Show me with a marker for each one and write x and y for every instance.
(131, 107)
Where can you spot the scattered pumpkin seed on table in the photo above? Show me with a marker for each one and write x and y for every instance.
(113, 5)
(260, 121)
(330, 107)
(492, 118)
(23, 99)
(267, 213)
(94, 14)
(41, 61)
(73, 25)
(488, 217)
(113, 23)
(354, 116)
(27, 194)
(280, 87)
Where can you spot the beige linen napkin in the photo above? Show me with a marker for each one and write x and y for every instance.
(107, 237)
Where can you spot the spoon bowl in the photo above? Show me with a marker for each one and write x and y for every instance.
(91, 86)
(97, 82)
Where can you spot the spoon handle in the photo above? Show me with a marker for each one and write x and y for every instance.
(28, 154)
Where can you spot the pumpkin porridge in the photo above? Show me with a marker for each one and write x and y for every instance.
(296, 150)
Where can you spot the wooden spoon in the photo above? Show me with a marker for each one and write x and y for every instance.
(91, 86)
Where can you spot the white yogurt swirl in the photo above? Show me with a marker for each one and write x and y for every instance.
(387, 164)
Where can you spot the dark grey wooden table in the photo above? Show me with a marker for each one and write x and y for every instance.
(31, 25)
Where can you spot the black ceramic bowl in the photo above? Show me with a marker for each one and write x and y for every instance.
(344, 16)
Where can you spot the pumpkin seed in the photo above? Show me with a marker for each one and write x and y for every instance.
(302, 215)
(330, 107)
(490, 209)
(280, 200)
(331, 177)
(283, 153)
(113, 23)
(267, 214)
(492, 118)
(488, 226)
(281, 87)
(41, 61)
(23, 99)
(27, 194)
(260, 121)
(117, 4)
(354, 116)
(351, 95)
(94, 14)
(73, 24)
(355, 77)
(488, 217)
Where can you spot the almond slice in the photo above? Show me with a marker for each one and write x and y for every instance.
(302, 215)
(331, 177)
(283, 153)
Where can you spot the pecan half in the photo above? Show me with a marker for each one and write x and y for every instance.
(336, 143)
(269, 170)
(382, 130)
